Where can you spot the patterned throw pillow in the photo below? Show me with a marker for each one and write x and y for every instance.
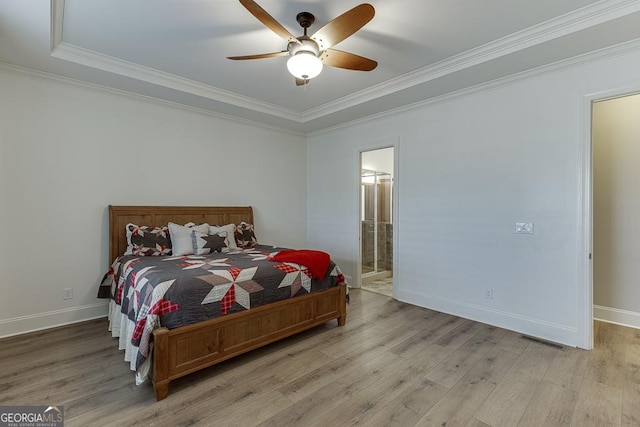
(245, 236)
(204, 243)
(229, 230)
(148, 241)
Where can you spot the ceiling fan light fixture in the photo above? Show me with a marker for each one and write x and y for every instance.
(304, 65)
(305, 51)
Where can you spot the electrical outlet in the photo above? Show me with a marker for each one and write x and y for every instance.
(524, 228)
(488, 293)
(67, 293)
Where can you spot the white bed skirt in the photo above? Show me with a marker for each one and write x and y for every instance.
(122, 328)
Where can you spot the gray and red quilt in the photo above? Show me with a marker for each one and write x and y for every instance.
(175, 291)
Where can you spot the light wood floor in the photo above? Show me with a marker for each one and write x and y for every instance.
(380, 286)
(393, 364)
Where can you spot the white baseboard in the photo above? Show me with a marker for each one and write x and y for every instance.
(617, 316)
(554, 332)
(51, 319)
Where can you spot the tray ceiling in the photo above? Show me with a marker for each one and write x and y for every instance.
(176, 50)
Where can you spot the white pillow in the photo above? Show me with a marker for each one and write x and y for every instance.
(181, 242)
(230, 241)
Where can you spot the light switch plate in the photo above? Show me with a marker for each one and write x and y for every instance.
(524, 228)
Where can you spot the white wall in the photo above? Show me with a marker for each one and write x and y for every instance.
(463, 188)
(67, 151)
(616, 210)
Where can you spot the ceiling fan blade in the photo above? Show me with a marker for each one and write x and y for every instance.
(301, 82)
(256, 10)
(260, 56)
(343, 26)
(350, 61)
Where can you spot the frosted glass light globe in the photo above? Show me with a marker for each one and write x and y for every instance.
(304, 65)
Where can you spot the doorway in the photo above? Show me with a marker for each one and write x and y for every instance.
(376, 220)
(593, 310)
(616, 207)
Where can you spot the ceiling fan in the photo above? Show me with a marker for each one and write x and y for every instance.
(309, 53)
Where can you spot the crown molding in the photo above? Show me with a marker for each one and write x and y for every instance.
(588, 16)
(89, 58)
(55, 78)
(114, 65)
(565, 64)
(591, 15)
(598, 55)
(597, 13)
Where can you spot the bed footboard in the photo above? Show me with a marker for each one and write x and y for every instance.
(181, 351)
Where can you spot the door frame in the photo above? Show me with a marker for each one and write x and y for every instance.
(393, 143)
(585, 212)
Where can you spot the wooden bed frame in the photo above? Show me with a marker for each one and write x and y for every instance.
(181, 351)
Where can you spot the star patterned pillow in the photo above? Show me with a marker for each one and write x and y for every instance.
(148, 241)
(204, 243)
(245, 235)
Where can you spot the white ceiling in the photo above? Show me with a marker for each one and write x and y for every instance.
(176, 50)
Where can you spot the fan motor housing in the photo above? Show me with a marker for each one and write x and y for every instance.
(307, 45)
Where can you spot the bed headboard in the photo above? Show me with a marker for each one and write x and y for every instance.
(120, 216)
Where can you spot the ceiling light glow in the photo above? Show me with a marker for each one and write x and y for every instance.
(304, 65)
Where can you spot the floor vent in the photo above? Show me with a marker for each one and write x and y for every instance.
(544, 342)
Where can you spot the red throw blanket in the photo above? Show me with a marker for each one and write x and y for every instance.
(316, 261)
